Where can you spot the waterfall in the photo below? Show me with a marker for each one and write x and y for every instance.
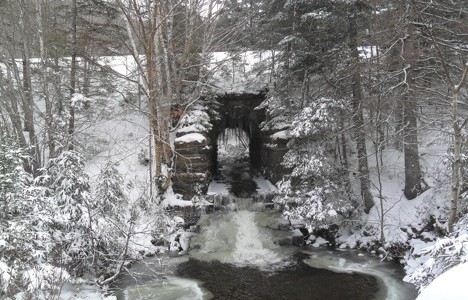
(236, 238)
(249, 248)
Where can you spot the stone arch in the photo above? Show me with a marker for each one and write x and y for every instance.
(196, 156)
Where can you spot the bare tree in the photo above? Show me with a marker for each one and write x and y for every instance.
(162, 38)
(18, 101)
(358, 118)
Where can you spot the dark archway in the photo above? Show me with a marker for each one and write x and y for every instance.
(239, 111)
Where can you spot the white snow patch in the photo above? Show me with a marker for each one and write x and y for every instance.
(450, 285)
(172, 288)
(191, 137)
(281, 135)
(171, 199)
(264, 186)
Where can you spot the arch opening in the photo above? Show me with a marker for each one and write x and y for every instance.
(233, 166)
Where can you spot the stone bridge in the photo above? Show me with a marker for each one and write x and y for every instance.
(196, 140)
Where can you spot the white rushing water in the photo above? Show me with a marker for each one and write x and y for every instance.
(236, 238)
(249, 249)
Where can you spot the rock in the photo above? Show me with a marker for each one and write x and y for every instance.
(158, 242)
(287, 241)
(382, 251)
(298, 238)
(329, 234)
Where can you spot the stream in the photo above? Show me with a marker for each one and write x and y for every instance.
(237, 255)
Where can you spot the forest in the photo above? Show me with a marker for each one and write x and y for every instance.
(369, 96)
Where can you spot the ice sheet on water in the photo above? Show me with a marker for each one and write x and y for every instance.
(173, 288)
(392, 288)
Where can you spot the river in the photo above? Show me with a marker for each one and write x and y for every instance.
(241, 253)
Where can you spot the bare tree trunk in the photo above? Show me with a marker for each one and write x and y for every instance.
(86, 78)
(456, 165)
(345, 163)
(183, 63)
(28, 107)
(49, 118)
(150, 25)
(413, 176)
(71, 118)
(358, 118)
(399, 123)
(11, 106)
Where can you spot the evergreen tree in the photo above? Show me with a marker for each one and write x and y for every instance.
(67, 188)
(25, 231)
(315, 192)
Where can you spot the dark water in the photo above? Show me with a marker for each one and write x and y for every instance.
(296, 282)
(237, 173)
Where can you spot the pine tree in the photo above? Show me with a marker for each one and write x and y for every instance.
(67, 188)
(25, 230)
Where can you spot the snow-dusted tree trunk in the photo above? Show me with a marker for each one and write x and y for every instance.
(146, 27)
(44, 65)
(457, 147)
(413, 176)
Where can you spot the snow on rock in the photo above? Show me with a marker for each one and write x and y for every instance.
(196, 119)
(192, 128)
(172, 200)
(450, 285)
(281, 135)
(190, 138)
(320, 242)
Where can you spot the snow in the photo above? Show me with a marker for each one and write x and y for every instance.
(281, 135)
(190, 138)
(450, 285)
(191, 128)
(241, 72)
(367, 52)
(217, 188)
(170, 289)
(174, 200)
(264, 186)
(82, 292)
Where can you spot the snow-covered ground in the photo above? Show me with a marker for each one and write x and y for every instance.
(451, 285)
